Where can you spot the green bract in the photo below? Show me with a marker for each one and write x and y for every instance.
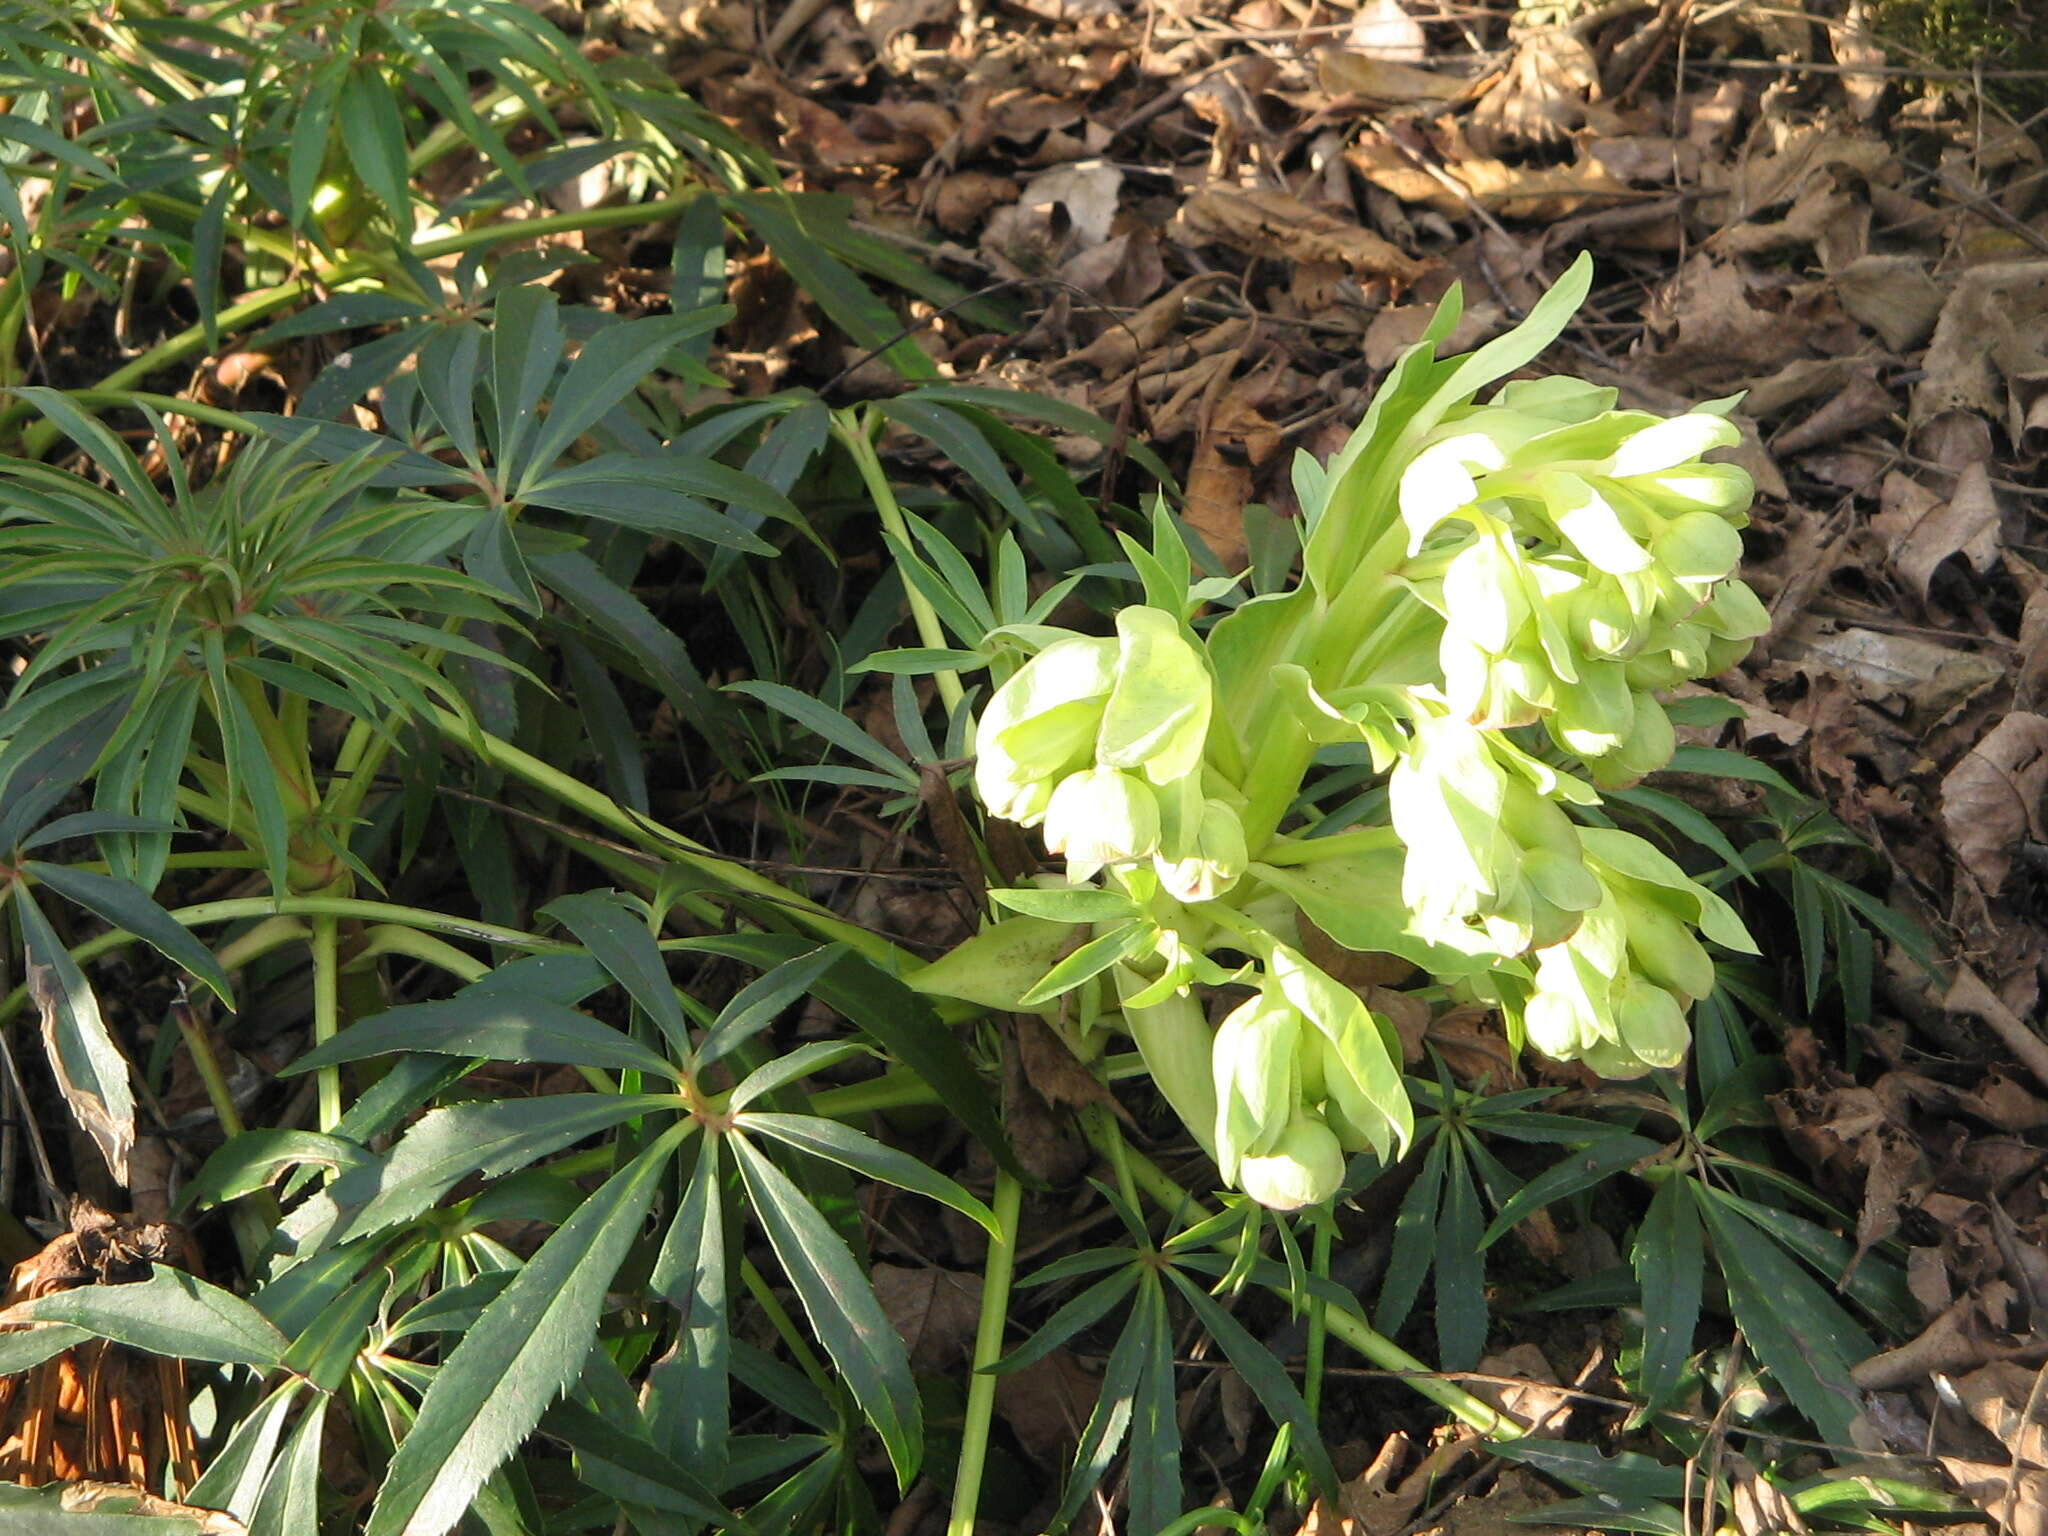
(1492, 596)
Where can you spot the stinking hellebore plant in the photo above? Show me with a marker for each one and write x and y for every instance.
(1491, 598)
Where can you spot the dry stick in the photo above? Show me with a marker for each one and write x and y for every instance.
(1968, 994)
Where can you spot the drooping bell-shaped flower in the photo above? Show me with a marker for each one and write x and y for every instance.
(1041, 726)
(1101, 816)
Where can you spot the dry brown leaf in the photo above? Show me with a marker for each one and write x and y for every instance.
(1990, 801)
(2017, 1498)
(1345, 73)
(1542, 97)
(1508, 191)
(1045, 1404)
(936, 1310)
(1399, 326)
(1921, 532)
(1273, 224)
(1893, 296)
(1232, 440)
(1862, 402)
(1993, 310)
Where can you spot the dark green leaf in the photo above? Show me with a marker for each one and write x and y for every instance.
(492, 1027)
(526, 1348)
(619, 939)
(841, 1305)
(1670, 1263)
(171, 1313)
(127, 908)
(1588, 1166)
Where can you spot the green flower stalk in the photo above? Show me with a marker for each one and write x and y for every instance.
(1491, 598)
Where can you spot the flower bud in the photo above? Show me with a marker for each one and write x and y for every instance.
(1257, 1076)
(1602, 623)
(1101, 816)
(1305, 1166)
(1483, 596)
(1595, 715)
(1157, 718)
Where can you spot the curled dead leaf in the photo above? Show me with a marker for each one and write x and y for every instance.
(1991, 799)
(1272, 224)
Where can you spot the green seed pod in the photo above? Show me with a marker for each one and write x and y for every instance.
(1304, 1166)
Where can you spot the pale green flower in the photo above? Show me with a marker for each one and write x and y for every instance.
(1157, 718)
(1041, 726)
(1303, 1167)
(1201, 846)
(1101, 816)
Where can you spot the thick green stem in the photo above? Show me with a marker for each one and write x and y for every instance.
(327, 1012)
(669, 845)
(1318, 1317)
(856, 433)
(282, 910)
(988, 1349)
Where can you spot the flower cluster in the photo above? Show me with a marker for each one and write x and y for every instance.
(1492, 598)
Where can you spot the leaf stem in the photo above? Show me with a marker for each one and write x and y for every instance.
(670, 845)
(327, 1012)
(1318, 1316)
(856, 434)
(988, 1349)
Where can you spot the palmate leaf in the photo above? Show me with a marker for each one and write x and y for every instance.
(1414, 1242)
(290, 1503)
(689, 1401)
(615, 931)
(526, 1348)
(895, 1018)
(854, 1149)
(129, 909)
(491, 1028)
(1806, 1341)
(841, 1306)
(36, 1512)
(1115, 1398)
(445, 1146)
(1461, 1313)
(1267, 1378)
(761, 1001)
